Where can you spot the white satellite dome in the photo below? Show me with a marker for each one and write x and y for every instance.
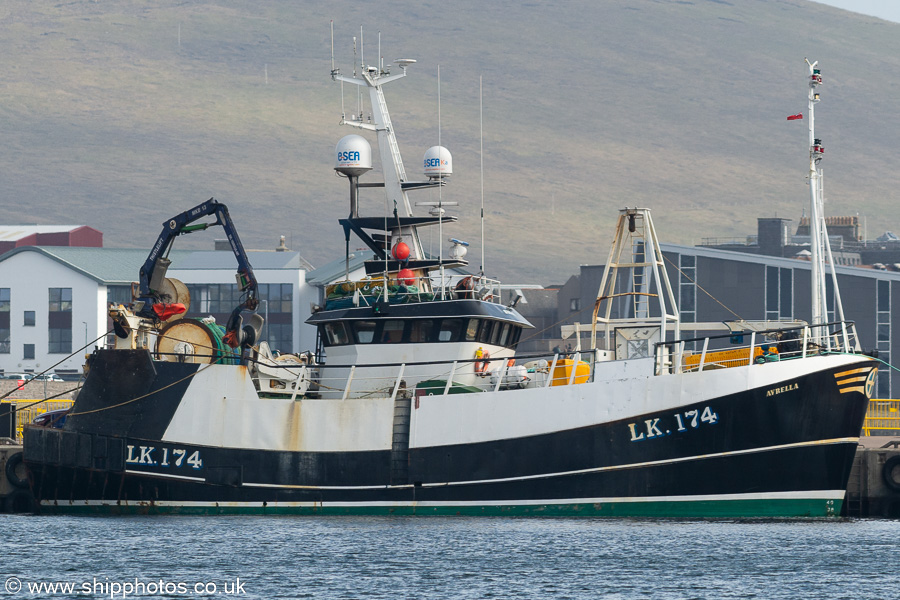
(354, 155)
(438, 162)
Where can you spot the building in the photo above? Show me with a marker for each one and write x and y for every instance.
(712, 285)
(17, 236)
(53, 300)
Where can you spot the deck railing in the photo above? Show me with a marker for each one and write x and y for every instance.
(453, 377)
(742, 348)
(368, 292)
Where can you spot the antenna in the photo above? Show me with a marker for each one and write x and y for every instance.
(380, 58)
(440, 185)
(335, 72)
(481, 136)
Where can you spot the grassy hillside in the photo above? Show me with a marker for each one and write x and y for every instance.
(117, 115)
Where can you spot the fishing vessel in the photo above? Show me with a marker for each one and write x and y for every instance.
(417, 400)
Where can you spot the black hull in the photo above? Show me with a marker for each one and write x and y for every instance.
(783, 453)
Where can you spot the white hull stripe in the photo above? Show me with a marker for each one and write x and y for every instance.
(165, 475)
(806, 495)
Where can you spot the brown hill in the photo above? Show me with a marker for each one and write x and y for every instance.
(118, 114)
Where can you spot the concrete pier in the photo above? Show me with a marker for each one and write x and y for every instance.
(874, 486)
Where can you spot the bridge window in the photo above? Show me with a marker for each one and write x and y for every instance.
(365, 331)
(335, 334)
(392, 333)
(450, 330)
(472, 330)
(421, 331)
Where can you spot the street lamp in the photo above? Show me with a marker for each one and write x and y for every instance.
(266, 321)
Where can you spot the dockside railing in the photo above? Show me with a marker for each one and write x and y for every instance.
(882, 418)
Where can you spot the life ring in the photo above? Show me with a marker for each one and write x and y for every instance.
(19, 501)
(11, 464)
(483, 358)
(887, 473)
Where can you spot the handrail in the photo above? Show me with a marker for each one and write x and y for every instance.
(764, 346)
(882, 416)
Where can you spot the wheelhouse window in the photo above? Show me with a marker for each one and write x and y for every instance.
(484, 331)
(365, 331)
(421, 331)
(472, 330)
(392, 333)
(335, 334)
(450, 330)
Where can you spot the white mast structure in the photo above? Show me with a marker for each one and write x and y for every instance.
(820, 245)
(392, 164)
(817, 228)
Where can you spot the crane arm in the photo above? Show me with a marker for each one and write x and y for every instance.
(153, 271)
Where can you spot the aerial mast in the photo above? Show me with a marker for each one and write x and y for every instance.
(817, 229)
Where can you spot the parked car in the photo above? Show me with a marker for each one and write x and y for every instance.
(16, 376)
(52, 418)
(49, 377)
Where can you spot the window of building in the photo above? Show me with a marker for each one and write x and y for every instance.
(60, 341)
(279, 336)
(60, 300)
(29, 318)
(59, 321)
(278, 297)
(4, 321)
(118, 294)
(687, 287)
(575, 304)
(779, 293)
(28, 351)
(883, 335)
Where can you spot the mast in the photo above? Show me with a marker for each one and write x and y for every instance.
(374, 78)
(817, 229)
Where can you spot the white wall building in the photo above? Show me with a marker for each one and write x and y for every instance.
(53, 300)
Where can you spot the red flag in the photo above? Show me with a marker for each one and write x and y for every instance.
(796, 117)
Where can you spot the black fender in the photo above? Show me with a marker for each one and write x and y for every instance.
(11, 464)
(887, 473)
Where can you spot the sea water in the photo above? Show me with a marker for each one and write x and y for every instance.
(435, 557)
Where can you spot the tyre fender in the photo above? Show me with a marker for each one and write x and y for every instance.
(887, 473)
(12, 463)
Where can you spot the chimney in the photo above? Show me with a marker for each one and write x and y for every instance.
(282, 247)
(772, 235)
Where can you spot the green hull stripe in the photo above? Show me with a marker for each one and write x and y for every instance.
(764, 508)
